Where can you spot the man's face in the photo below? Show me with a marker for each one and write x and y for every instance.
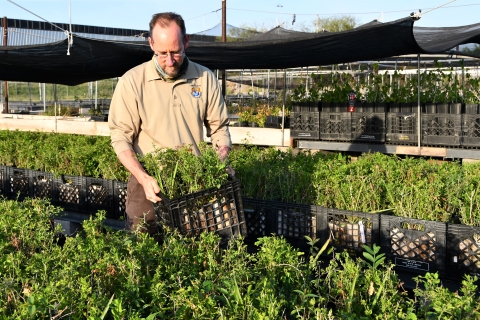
(169, 45)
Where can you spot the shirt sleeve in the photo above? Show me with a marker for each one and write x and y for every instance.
(123, 117)
(216, 121)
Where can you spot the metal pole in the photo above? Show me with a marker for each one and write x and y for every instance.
(224, 39)
(283, 105)
(44, 99)
(418, 107)
(54, 87)
(96, 94)
(29, 96)
(5, 83)
(268, 88)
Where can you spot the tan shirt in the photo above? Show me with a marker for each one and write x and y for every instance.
(147, 111)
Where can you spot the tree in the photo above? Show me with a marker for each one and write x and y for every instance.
(244, 32)
(475, 51)
(335, 24)
(332, 24)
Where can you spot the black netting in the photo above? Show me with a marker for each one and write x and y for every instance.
(91, 59)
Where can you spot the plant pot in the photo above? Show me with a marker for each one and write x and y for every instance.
(243, 124)
(406, 107)
(369, 107)
(430, 108)
(253, 124)
(102, 118)
(471, 108)
(338, 107)
(326, 107)
(393, 107)
(455, 108)
(442, 108)
(359, 107)
(381, 107)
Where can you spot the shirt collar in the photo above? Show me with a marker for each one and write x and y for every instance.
(190, 73)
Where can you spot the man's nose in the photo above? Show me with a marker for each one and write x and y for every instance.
(170, 60)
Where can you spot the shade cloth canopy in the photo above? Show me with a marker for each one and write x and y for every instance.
(93, 59)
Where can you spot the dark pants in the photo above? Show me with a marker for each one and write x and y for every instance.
(139, 208)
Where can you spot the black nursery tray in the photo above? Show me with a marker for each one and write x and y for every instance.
(218, 210)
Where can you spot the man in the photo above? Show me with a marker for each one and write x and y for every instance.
(164, 103)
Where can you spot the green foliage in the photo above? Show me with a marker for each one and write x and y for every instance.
(336, 24)
(437, 302)
(180, 171)
(361, 290)
(65, 111)
(475, 51)
(61, 154)
(99, 273)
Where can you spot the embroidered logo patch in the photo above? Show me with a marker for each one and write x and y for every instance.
(196, 92)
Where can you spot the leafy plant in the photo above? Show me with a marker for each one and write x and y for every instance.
(180, 171)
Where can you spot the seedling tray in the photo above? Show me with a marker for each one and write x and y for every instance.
(463, 251)
(441, 129)
(218, 210)
(349, 230)
(42, 184)
(304, 125)
(336, 126)
(69, 192)
(368, 126)
(99, 196)
(255, 211)
(413, 245)
(293, 221)
(119, 199)
(17, 183)
(401, 127)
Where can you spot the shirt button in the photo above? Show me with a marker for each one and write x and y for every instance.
(174, 97)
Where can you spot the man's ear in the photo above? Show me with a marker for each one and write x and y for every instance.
(150, 41)
(187, 41)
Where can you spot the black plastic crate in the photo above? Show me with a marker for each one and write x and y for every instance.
(99, 195)
(17, 184)
(3, 174)
(402, 127)
(349, 230)
(304, 125)
(463, 251)
(293, 221)
(69, 192)
(413, 245)
(119, 200)
(336, 126)
(442, 129)
(368, 126)
(276, 122)
(42, 184)
(218, 210)
(471, 130)
(255, 218)
(306, 106)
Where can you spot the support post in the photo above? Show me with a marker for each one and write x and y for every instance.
(224, 39)
(419, 111)
(283, 104)
(5, 83)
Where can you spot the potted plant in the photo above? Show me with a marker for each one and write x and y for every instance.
(246, 116)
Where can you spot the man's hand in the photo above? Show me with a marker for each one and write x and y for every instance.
(222, 153)
(151, 188)
(230, 171)
(149, 184)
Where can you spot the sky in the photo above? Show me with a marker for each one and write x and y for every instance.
(201, 15)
